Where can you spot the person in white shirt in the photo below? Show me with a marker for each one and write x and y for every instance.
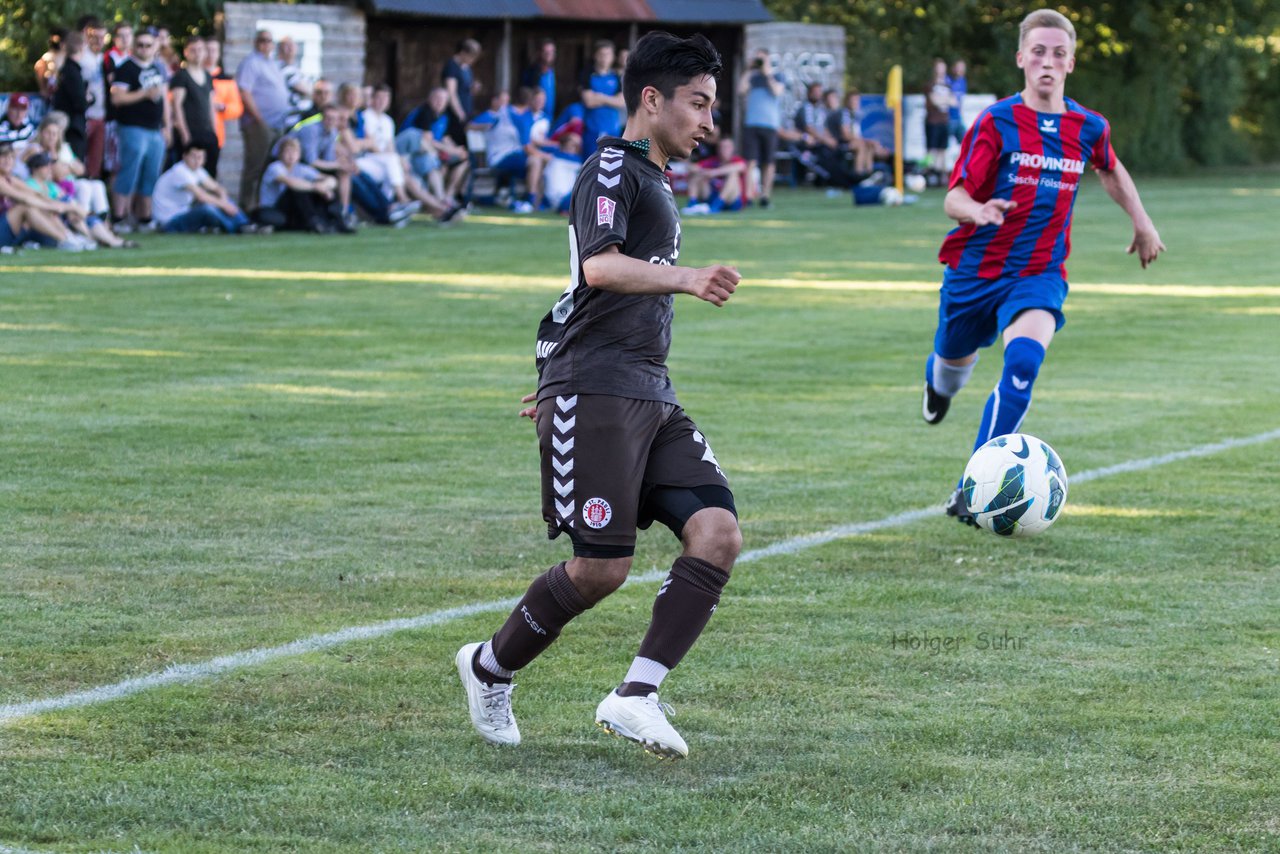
(187, 199)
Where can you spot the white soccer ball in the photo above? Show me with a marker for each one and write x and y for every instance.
(915, 183)
(890, 197)
(1015, 485)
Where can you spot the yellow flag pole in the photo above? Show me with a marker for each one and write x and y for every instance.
(893, 100)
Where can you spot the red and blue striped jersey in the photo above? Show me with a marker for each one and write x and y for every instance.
(1035, 159)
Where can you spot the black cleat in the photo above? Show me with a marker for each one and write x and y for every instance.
(956, 507)
(935, 405)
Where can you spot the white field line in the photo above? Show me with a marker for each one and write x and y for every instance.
(185, 673)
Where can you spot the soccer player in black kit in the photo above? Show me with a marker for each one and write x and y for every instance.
(618, 453)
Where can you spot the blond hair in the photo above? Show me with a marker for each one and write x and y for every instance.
(1048, 19)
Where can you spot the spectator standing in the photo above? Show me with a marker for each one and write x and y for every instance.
(165, 51)
(937, 119)
(72, 95)
(763, 88)
(193, 113)
(300, 86)
(91, 60)
(227, 106)
(542, 74)
(601, 87)
(118, 52)
(138, 93)
(959, 88)
(49, 65)
(266, 106)
(458, 80)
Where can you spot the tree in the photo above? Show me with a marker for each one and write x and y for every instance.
(25, 26)
(1192, 82)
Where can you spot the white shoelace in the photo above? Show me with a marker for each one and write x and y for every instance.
(497, 704)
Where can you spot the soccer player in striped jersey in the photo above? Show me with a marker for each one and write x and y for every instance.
(1012, 191)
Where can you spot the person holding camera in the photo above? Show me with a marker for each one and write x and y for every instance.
(763, 88)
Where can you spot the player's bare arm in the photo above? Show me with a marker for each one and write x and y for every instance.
(1146, 240)
(962, 207)
(610, 270)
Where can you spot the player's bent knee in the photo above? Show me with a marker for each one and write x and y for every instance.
(712, 534)
(596, 578)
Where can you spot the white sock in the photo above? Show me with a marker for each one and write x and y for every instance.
(488, 662)
(647, 671)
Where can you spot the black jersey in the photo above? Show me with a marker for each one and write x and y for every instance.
(599, 342)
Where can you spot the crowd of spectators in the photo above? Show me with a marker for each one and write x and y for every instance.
(130, 114)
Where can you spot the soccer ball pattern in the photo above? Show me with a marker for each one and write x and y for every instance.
(1015, 485)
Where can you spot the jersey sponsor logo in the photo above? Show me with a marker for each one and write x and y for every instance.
(596, 512)
(546, 348)
(604, 210)
(1052, 164)
(1048, 126)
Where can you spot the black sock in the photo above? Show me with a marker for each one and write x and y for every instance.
(547, 607)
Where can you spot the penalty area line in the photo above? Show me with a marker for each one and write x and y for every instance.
(182, 674)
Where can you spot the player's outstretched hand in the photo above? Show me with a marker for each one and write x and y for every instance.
(1147, 243)
(715, 284)
(530, 412)
(992, 212)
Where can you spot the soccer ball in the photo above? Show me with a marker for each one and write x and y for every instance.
(890, 197)
(915, 183)
(1015, 485)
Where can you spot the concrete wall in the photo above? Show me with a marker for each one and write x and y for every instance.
(342, 55)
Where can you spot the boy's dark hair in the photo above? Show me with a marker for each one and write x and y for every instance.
(89, 21)
(664, 62)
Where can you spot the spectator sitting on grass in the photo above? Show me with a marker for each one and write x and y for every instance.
(305, 198)
(187, 199)
(28, 216)
(91, 229)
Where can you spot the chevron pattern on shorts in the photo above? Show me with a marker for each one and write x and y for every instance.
(562, 423)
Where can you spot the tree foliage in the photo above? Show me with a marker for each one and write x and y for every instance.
(25, 26)
(1188, 82)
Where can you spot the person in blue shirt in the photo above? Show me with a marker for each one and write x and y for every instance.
(542, 74)
(959, 88)
(509, 142)
(601, 96)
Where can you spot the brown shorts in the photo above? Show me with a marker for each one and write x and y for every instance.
(611, 465)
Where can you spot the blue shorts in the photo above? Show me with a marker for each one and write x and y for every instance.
(141, 160)
(516, 163)
(973, 311)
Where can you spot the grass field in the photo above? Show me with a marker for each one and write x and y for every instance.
(217, 446)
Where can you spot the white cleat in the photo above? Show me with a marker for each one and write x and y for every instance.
(490, 705)
(644, 721)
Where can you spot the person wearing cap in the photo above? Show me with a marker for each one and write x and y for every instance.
(85, 229)
(16, 127)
